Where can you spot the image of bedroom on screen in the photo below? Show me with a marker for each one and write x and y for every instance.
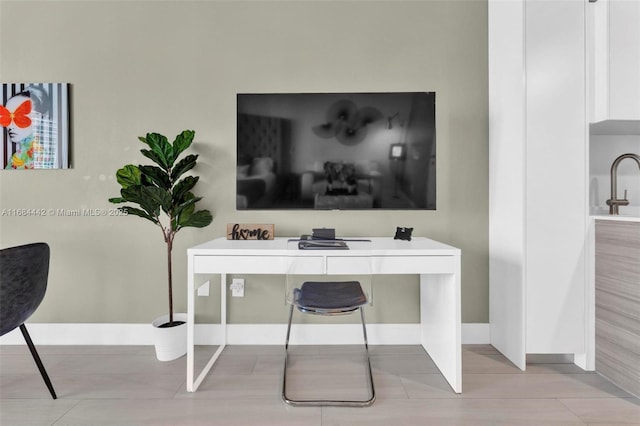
(336, 151)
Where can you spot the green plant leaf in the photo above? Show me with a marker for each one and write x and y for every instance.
(158, 197)
(145, 196)
(184, 165)
(117, 200)
(160, 145)
(182, 142)
(199, 219)
(190, 200)
(154, 157)
(157, 176)
(183, 213)
(128, 175)
(138, 212)
(182, 187)
(167, 205)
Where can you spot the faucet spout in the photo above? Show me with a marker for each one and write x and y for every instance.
(614, 202)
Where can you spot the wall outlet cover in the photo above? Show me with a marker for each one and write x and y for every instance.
(237, 287)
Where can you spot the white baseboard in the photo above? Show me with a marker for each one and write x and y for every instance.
(476, 334)
(323, 334)
(237, 334)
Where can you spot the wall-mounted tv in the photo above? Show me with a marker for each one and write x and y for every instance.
(341, 151)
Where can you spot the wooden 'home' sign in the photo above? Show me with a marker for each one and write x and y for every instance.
(250, 231)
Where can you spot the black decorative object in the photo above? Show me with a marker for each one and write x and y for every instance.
(403, 233)
(346, 122)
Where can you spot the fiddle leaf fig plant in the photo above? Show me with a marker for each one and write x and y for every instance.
(160, 193)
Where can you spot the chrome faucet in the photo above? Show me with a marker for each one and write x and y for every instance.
(614, 202)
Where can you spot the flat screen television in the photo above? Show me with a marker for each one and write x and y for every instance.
(343, 151)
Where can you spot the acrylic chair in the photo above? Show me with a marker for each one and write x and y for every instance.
(329, 298)
(23, 282)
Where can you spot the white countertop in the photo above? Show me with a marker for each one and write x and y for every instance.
(627, 213)
(284, 246)
(618, 218)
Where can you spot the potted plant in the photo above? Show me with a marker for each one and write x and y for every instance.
(163, 196)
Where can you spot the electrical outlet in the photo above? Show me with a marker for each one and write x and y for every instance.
(237, 287)
(203, 290)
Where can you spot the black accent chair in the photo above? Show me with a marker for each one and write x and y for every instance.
(329, 298)
(23, 282)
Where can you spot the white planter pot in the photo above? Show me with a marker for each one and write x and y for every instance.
(170, 342)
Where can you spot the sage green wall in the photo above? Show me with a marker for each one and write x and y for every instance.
(138, 66)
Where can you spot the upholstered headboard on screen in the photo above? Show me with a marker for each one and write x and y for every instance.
(260, 136)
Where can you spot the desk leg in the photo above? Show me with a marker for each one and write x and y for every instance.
(440, 324)
(192, 385)
(191, 314)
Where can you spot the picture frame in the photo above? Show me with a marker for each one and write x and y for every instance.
(35, 122)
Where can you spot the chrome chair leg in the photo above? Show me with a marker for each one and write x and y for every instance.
(329, 402)
(366, 348)
(286, 358)
(289, 327)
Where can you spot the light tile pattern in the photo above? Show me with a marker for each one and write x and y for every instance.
(125, 385)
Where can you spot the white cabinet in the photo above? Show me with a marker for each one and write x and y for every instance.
(614, 32)
(538, 158)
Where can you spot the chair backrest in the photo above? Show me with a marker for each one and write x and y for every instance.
(23, 282)
(357, 268)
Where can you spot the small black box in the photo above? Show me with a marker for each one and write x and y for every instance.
(324, 233)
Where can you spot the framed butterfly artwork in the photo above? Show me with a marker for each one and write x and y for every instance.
(35, 126)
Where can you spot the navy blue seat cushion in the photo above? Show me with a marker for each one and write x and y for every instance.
(330, 295)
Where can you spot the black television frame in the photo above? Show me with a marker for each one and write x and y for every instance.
(327, 151)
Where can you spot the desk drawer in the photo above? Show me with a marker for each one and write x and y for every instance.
(257, 265)
(345, 265)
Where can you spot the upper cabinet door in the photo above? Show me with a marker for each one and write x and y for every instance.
(615, 46)
(624, 59)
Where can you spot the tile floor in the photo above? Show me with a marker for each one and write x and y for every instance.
(124, 385)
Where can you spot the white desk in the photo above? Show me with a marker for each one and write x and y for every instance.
(437, 264)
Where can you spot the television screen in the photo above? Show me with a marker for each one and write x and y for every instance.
(336, 151)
